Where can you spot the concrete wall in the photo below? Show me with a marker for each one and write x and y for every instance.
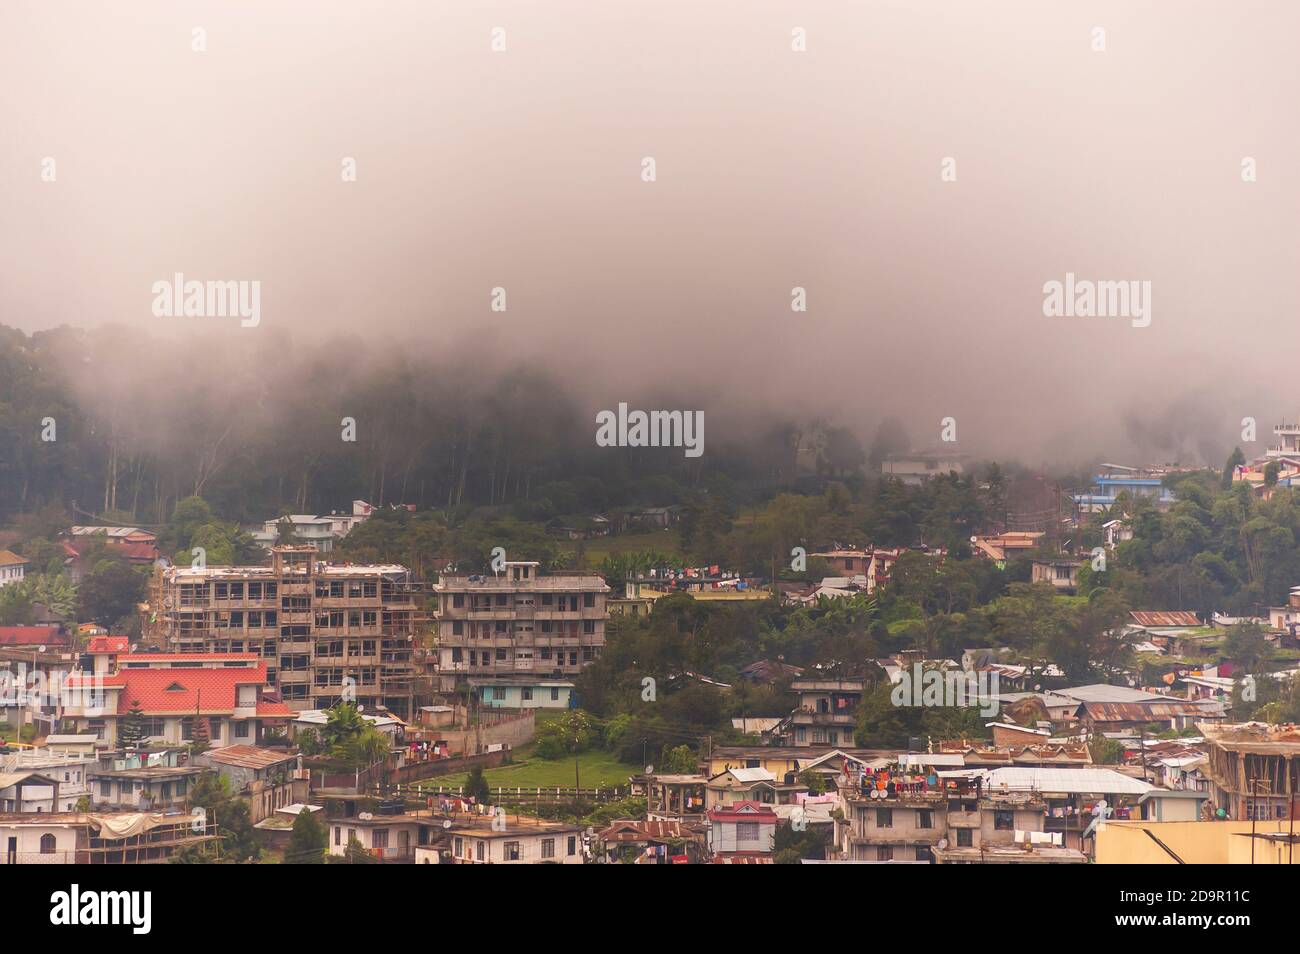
(1197, 843)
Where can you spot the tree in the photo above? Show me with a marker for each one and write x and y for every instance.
(110, 592)
(307, 841)
(228, 814)
(1235, 460)
(355, 853)
(476, 786)
(130, 730)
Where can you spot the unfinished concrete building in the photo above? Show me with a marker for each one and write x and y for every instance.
(517, 625)
(328, 632)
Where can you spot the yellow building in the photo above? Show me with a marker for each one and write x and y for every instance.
(1192, 842)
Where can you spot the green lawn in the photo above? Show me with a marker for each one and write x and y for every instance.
(667, 542)
(598, 769)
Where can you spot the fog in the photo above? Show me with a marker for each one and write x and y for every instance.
(522, 169)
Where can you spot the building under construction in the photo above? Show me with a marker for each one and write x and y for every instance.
(329, 632)
(519, 626)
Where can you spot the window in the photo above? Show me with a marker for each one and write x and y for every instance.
(589, 600)
(512, 850)
(48, 844)
(241, 730)
(746, 831)
(456, 847)
(588, 627)
(884, 852)
(548, 847)
(338, 834)
(526, 694)
(379, 838)
(884, 818)
(923, 853)
(924, 818)
(499, 695)
(478, 851)
(573, 845)
(1004, 821)
(555, 694)
(964, 838)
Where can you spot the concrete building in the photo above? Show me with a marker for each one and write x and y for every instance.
(515, 843)
(12, 567)
(522, 693)
(327, 632)
(826, 713)
(518, 624)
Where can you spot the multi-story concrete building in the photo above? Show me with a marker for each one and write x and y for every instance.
(517, 624)
(907, 825)
(328, 632)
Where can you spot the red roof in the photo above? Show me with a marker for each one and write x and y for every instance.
(185, 691)
(743, 811)
(30, 635)
(109, 644)
(189, 657)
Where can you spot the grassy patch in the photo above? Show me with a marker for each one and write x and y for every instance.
(667, 542)
(597, 769)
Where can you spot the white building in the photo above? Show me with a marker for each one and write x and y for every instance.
(12, 568)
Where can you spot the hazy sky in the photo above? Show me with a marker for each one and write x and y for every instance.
(775, 169)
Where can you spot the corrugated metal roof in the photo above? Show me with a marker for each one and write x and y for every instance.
(1075, 781)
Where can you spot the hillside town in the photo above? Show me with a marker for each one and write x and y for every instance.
(1005, 696)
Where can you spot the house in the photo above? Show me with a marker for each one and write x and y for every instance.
(826, 713)
(1116, 479)
(864, 569)
(783, 760)
(768, 671)
(751, 785)
(916, 468)
(28, 791)
(389, 836)
(12, 567)
(743, 829)
(37, 638)
(1008, 545)
(523, 693)
(180, 697)
(652, 842)
(268, 779)
(1173, 806)
(1061, 572)
(67, 771)
(636, 600)
(1073, 797)
(676, 797)
(918, 812)
(321, 531)
(151, 780)
(516, 842)
(97, 837)
(1117, 531)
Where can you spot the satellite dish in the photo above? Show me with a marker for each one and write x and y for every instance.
(649, 769)
(446, 823)
(943, 843)
(365, 816)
